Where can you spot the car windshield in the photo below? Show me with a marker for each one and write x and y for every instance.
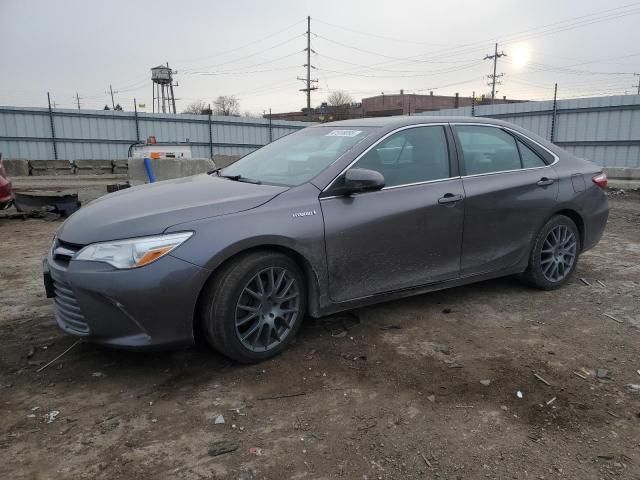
(298, 157)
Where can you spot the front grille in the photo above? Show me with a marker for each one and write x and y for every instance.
(63, 251)
(66, 308)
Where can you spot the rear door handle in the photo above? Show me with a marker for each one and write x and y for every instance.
(544, 181)
(449, 198)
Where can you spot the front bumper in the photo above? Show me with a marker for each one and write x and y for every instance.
(142, 308)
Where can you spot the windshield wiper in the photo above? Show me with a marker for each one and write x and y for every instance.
(215, 170)
(240, 178)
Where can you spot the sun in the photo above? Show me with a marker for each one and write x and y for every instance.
(520, 55)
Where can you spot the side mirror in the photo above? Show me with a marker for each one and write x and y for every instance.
(358, 180)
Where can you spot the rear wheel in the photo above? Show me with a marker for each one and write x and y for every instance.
(554, 255)
(254, 306)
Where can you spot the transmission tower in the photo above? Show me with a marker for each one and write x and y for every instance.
(308, 80)
(493, 79)
(638, 85)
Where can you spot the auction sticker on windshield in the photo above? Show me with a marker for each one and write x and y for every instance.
(343, 133)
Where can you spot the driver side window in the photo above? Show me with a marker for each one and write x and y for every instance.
(412, 155)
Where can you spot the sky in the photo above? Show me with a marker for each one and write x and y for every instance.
(255, 49)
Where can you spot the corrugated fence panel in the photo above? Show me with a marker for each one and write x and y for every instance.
(107, 135)
(605, 130)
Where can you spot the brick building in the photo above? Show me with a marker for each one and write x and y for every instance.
(385, 105)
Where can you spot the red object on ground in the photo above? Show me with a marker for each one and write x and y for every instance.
(6, 194)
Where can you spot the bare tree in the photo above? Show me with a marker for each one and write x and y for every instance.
(339, 103)
(199, 107)
(228, 106)
(250, 114)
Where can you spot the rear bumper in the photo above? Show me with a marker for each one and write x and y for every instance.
(597, 214)
(142, 308)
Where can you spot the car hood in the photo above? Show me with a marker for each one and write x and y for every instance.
(150, 209)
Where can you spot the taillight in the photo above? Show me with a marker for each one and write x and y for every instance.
(600, 180)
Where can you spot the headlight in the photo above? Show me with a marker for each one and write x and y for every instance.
(133, 252)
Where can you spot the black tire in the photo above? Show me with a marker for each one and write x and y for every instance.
(541, 260)
(222, 301)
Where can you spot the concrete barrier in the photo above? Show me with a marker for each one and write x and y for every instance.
(167, 168)
(16, 167)
(120, 166)
(94, 167)
(622, 173)
(51, 167)
(225, 160)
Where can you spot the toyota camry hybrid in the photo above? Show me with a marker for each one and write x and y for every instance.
(332, 217)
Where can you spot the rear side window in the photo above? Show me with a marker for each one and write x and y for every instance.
(412, 155)
(487, 149)
(530, 159)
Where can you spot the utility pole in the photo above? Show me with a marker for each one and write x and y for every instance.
(308, 80)
(78, 100)
(113, 103)
(638, 75)
(494, 77)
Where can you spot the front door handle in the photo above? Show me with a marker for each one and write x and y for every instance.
(449, 198)
(544, 181)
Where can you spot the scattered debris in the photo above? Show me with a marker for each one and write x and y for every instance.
(612, 318)
(601, 283)
(431, 398)
(602, 373)
(633, 387)
(46, 202)
(464, 406)
(425, 460)
(638, 372)
(222, 447)
(51, 416)
(59, 356)
(219, 420)
(585, 281)
(606, 457)
(486, 383)
(391, 327)
(519, 394)
(441, 349)
(255, 451)
(98, 374)
(286, 395)
(31, 352)
(353, 356)
(114, 187)
(551, 401)
(542, 380)
(613, 414)
(447, 310)
(579, 375)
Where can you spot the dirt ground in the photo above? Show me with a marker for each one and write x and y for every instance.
(420, 388)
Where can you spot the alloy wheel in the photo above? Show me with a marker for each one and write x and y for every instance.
(267, 309)
(558, 253)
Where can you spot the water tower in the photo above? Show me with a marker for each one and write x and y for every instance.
(162, 77)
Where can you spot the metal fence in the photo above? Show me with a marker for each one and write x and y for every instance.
(43, 134)
(605, 130)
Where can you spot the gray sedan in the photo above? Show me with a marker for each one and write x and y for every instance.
(330, 218)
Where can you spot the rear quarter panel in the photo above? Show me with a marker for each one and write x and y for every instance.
(577, 192)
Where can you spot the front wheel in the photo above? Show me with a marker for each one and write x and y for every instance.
(254, 306)
(554, 255)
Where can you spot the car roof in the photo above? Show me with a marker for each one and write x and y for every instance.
(401, 121)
